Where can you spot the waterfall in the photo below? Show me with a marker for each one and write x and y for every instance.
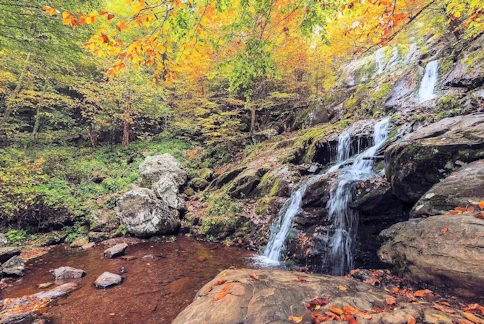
(394, 58)
(429, 81)
(343, 219)
(380, 61)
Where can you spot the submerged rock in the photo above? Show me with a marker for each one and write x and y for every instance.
(8, 252)
(63, 273)
(115, 251)
(427, 156)
(108, 279)
(14, 267)
(16, 310)
(276, 295)
(445, 251)
(458, 190)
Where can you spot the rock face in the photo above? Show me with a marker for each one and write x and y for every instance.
(8, 252)
(108, 279)
(14, 267)
(441, 250)
(276, 295)
(154, 208)
(16, 310)
(425, 157)
(459, 189)
(115, 251)
(64, 273)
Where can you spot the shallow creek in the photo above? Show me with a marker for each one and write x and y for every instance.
(154, 290)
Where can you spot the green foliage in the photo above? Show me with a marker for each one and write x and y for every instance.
(18, 237)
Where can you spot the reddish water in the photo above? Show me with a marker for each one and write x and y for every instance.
(154, 290)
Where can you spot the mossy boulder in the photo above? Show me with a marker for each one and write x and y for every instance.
(226, 177)
(245, 183)
(51, 238)
(198, 183)
(429, 155)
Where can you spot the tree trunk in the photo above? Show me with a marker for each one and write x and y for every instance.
(127, 117)
(92, 136)
(252, 123)
(35, 130)
(126, 128)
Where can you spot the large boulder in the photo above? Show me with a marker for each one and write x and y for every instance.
(272, 296)
(459, 189)
(425, 157)
(144, 214)
(64, 273)
(445, 251)
(14, 267)
(154, 167)
(8, 252)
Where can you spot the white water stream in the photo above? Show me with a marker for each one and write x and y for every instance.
(343, 219)
(429, 81)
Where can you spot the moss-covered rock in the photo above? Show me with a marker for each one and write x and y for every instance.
(245, 183)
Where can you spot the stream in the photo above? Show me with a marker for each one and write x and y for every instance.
(155, 289)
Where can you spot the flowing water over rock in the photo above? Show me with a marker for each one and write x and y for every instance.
(161, 279)
(429, 81)
(344, 220)
(380, 61)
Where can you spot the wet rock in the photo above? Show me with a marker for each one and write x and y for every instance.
(144, 214)
(98, 236)
(3, 240)
(459, 189)
(64, 273)
(445, 251)
(108, 279)
(425, 157)
(45, 285)
(115, 251)
(80, 241)
(276, 295)
(375, 197)
(16, 310)
(14, 267)
(88, 246)
(245, 183)
(318, 192)
(8, 252)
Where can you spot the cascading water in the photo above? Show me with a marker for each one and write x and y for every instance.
(380, 61)
(344, 220)
(429, 81)
(394, 58)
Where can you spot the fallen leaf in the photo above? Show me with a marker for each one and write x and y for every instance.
(254, 276)
(445, 229)
(395, 290)
(411, 320)
(220, 282)
(470, 209)
(294, 319)
(301, 278)
(473, 318)
(444, 303)
(343, 288)
(209, 289)
(421, 293)
(391, 301)
(336, 310)
(319, 318)
(220, 295)
(350, 319)
(481, 204)
(353, 311)
(443, 309)
(321, 301)
(479, 215)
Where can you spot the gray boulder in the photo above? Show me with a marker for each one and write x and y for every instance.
(427, 156)
(166, 189)
(154, 167)
(64, 273)
(115, 251)
(14, 267)
(144, 214)
(459, 189)
(108, 279)
(3, 240)
(8, 252)
(445, 251)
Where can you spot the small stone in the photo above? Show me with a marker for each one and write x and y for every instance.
(108, 279)
(63, 273)
(115, 251)
(122, 270)
(88, 246)
(80, 241)
(148, 256)
(15, 266)
(8, 252)
(45, 285)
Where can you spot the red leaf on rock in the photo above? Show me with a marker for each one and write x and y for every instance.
(350, 319)
(301, 279)
(411, 320)
(254, 276)
(220, 282)
(391, 301)
(443, 309)
(421, 293)
(336, 310)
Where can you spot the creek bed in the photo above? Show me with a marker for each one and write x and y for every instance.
(154, 290)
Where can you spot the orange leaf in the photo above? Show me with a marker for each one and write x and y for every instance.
(220, 282)
(350, 319)
(481, 204)
(473, 318)
(51, 11)
(443, 309)
(319, 318)
(411, 320)
(470, 209)
(343, 288)
(391, 301)
(445, 229)
(421, 293)
(254, 276)
(336, 310)
(209, 289)
(301, 279)
(294, 319)
(353, 311)
(220, 295)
